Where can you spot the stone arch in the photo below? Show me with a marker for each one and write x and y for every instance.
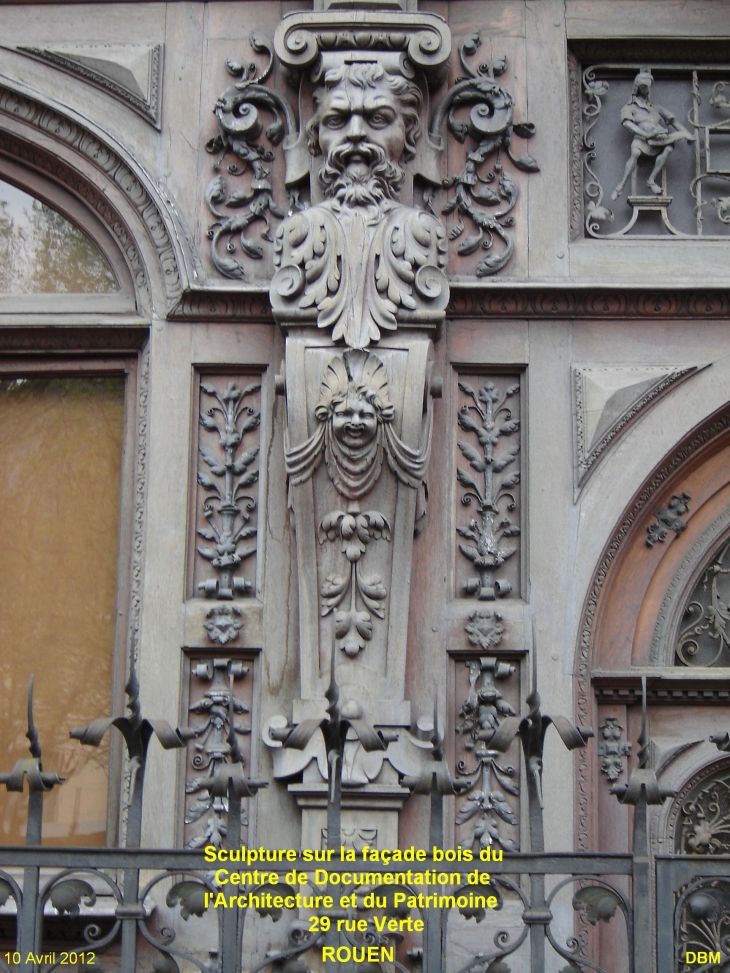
(57, 148)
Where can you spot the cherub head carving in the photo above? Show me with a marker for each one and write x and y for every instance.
(354, 406)
(366, 122)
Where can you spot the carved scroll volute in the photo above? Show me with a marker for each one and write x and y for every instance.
(359, 430)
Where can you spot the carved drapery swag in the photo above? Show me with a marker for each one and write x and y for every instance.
(358, 379)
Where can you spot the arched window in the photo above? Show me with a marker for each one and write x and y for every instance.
(42, 252)
(67, 442)
(704, 634)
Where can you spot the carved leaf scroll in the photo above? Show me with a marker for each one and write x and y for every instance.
(484, 193)
(227, 485)
(490, 486)
(240, 129)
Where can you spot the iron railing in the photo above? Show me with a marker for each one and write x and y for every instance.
(134, 909)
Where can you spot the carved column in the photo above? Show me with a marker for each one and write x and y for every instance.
(360, 291)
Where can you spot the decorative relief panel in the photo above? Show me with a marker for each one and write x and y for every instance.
(219, 707)
(701, 815)
(488, 471)
(487, 691)
(226, 495)
(704, 636)
(655, 137)
(399, 59)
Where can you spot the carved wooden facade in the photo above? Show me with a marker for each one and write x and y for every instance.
(425, 390)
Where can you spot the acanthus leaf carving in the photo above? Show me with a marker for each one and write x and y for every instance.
(240, 128)
(355, 530)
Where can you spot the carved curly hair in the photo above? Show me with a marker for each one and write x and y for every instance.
(367, 75)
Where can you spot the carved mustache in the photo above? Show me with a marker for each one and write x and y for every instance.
(384, 178)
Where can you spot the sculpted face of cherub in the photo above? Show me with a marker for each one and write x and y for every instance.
(354, 421)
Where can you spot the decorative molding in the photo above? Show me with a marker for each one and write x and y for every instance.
(44, 340)
(619, 410)
(576, 146)
(613, 749)
(667, 518)
(215, 701)
(481, 772)
(242, 306)
(661, 693)
(21, 151)
(131, 73)
(642, 50)
(491, 126)
(140, 500)
(225, 476)
(104, 156)
(522, 301)
(695, 442)
(496, 495)
(686, 576)
(497, 300)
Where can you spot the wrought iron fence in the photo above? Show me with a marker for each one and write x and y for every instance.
(131, 909)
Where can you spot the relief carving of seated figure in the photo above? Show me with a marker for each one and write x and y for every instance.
(361, 256)
(655, 131)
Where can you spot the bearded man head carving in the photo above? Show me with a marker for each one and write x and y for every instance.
(366, 122)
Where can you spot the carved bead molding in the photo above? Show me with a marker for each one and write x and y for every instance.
(489, 418)
(488, 780)
(698, 440)
(155, 213)
(218, 687)
(227, 492)
(131, 73)
(495, 301)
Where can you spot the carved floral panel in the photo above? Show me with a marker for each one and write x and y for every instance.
(488, 471)
(487, 689)
(219, 713)
(226, 492)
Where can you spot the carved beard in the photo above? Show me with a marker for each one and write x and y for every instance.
(383, 181)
